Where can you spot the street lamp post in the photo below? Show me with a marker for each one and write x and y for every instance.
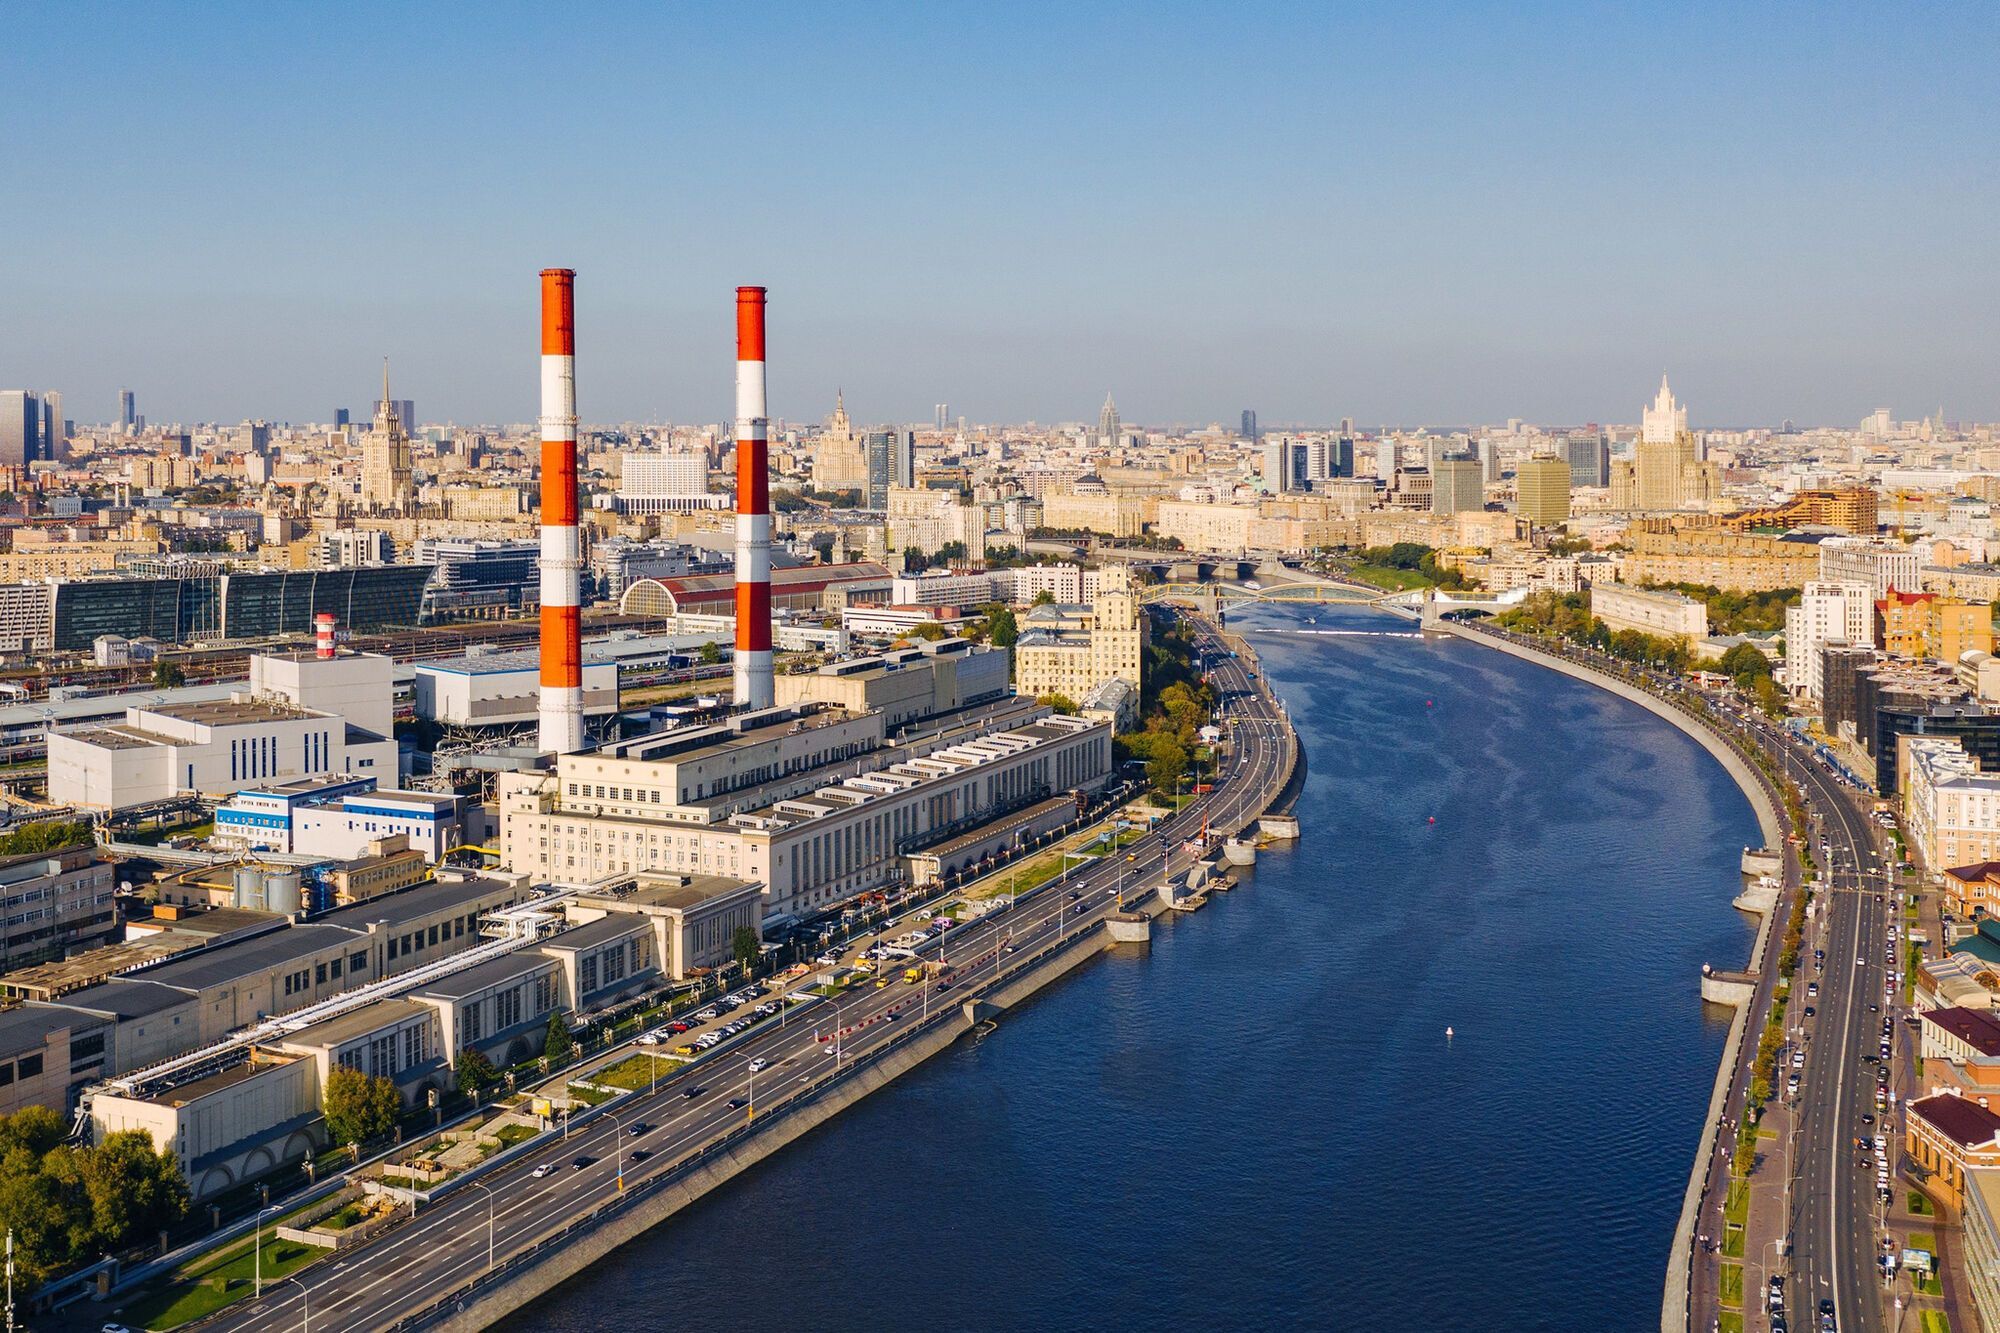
(488, 1192)
(257, 1252)
(618, 1125)
(305, 1301)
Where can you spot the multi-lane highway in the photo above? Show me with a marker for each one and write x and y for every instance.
(453, 1242)
(1834, 1206)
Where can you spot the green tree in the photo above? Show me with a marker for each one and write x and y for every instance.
(474, 1072)
(930, 631)
(559, 1046)
(746, 944)
(167, 675)
(1743, 663)
(358, 1106)
(1167, 765)
(1062, 703)
(1046, 598)
(132, 1190)
(710, 654)
(1001, 626)
(47, 835)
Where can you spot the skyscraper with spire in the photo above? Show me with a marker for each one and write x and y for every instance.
(1110, 432)
(388, 476)
(840, 460)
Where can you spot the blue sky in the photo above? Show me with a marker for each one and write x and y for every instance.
(1455, 213)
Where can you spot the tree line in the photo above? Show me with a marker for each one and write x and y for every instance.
(68, 1204)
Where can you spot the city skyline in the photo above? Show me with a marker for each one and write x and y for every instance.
(1364, 214)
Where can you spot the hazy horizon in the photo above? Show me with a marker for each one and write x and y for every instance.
(1458, 214)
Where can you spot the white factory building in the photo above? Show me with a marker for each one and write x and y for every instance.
(338, 818)
(504, 689)
(300, 716)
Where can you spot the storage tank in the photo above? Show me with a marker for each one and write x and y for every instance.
(247, 888)
(281, 890)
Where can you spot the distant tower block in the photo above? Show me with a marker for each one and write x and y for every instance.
(561, 711)
(754, 685)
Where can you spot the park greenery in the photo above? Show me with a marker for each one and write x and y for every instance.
(1567, 616)
(47, 835)
(359, 1107)
(1173, 706)
(474, 1073)
(1731, 611)
(1404, 565)
(67, 1204)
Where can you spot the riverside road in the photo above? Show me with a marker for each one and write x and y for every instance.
(455, 1241)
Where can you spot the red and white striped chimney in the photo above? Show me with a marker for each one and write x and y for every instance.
(323, 635)
(561, 713)
(754, 688)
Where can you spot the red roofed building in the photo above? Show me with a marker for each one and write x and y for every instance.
(1948, 1135)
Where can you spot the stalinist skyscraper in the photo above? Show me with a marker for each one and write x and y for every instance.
(1664, 471)
(388, 477)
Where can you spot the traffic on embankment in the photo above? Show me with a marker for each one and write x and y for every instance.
(557, 1202)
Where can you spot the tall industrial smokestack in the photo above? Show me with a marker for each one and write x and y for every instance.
(754, 688)
(561, 712)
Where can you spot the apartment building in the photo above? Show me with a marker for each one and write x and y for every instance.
(1665, 615)
(1826, 613)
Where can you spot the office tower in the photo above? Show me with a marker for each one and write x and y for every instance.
(903, 458)
(1340, 457)
(665, 483)
(1487, 451)
(560, 714)
(1455, 486)
(55, 434)
(1250, 424)
(1110, 432)
(1347, 426)
(20, 427)
(1295, 465)
(876, 450)
(406, 410)
(1542, 483)
(128, 409)
(340, 418)
(943, 416)
(755, 686)
(1589, 455)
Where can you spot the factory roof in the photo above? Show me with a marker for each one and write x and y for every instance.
(360, 1022)
(601, 931)
(421, 900)
(243, 958)
(672, 892)
(27, 1025)
(122, 998)
(471, 981)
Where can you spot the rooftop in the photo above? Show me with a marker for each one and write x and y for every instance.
(1960, 1119)
(369, 1018)
(473, 980)
(601, 931)
(417, 901)
(1977, 1028)
(670, 892)
(244, 958)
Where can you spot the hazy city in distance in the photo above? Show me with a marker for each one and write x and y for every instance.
(585, 593)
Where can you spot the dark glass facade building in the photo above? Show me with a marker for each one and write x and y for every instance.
(257, 605)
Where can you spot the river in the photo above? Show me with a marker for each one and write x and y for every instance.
(1260, 1123)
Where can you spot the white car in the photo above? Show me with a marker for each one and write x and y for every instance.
(541, 1170)
(758, 1065)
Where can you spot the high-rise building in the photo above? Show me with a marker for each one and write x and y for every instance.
(406, 411)
(128, 409)
(1589, 455)
(55, 431)
(1879, 566)
(341, 418)
(943, 418)
(1340, 457)
(1110, 432)
(903, 458)
(20, 427)
(877, 449)
(1295, 465)
(1666, 470)
(1542, 483)
(388, 474)
(1828, 612)
(1455, 486)
(840, 462)
(1250, 424)
(667, 483)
